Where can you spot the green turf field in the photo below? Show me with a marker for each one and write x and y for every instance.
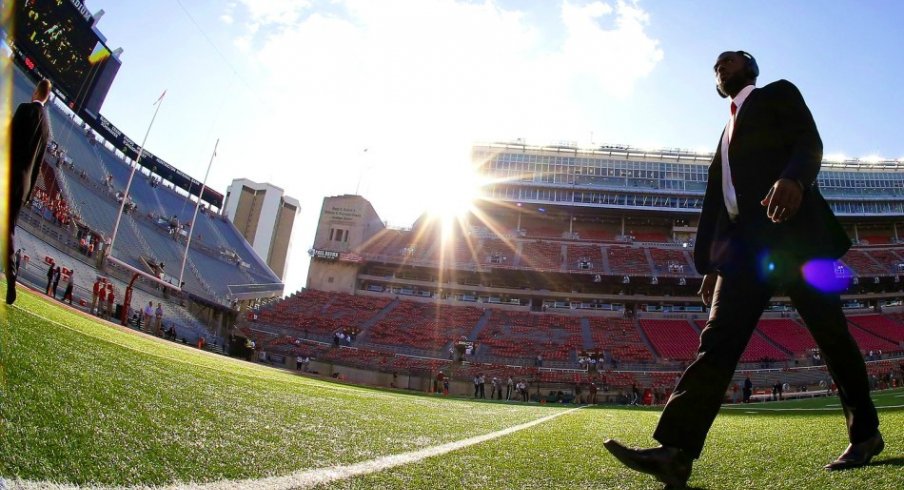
(86, 403)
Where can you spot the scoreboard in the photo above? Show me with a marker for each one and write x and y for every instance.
(56, 39)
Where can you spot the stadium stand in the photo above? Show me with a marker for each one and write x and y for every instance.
(759, 349)
(521, 336)
(881, 326)
(671, 261)
(788, 334)
(540, 255)
(620, 339)
(423, 327)
(318, 315)
(672, 339)
(585, 257)
(863, 264)
(628, 260)
(88, 175)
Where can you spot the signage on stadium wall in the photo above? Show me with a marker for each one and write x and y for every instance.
(150, 161)
(342, 214)
(351, 257)
(324, 254)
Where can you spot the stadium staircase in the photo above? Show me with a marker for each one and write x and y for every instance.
(519, 250)
(775, 345)
(607, 269)
(674, 340)
(882, 327)
(367, 324)
(481, 323)
(650, 262)
(586, 335)
(646, 340)
(869, 342)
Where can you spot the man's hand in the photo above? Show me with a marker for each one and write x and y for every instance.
(783, 200)
(707, 287)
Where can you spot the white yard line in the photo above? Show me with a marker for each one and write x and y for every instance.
(300, 479)
(310, 478)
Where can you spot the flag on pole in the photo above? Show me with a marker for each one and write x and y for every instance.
(159, 98)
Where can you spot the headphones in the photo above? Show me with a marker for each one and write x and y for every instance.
(753, 70)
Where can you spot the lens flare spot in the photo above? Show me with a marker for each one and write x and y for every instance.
(826, 275)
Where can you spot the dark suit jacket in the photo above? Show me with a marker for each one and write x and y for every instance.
(29, 134)
(774, 137)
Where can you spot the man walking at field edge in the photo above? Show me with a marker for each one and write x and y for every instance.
(768, 157)
(29, 134)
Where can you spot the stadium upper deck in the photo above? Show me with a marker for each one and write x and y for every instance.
(671, 181)
(221, 265)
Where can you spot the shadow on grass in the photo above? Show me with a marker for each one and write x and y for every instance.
(899, 461)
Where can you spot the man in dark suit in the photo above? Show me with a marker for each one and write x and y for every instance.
(763, 221)
(29, 134)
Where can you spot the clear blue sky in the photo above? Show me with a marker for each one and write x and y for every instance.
(297, 89)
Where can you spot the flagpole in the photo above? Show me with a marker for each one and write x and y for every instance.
(125, 196)
(191, 228)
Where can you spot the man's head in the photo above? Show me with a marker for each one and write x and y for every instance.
(42, 91)
(734, 70)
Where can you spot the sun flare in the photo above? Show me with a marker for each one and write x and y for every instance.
(454, 195)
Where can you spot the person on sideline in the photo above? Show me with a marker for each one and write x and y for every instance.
(29, 134)
(111, 302)
(158, 319)
(57, 274)
(95, 291)
(148, 314)
(50, 272)
(70, 284)
(763, 220)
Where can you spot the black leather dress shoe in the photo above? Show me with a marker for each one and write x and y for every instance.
(669, 465)
(857, 455)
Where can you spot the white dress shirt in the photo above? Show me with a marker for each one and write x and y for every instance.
(728, 190)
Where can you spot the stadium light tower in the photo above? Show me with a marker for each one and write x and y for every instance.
(191, 228)
(125, 197)
(108, 253)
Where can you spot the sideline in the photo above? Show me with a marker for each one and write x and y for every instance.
(310, 478)
(823, 409)
(254, 371)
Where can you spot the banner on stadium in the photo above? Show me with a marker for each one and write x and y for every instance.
(351, 257)
(150, 161)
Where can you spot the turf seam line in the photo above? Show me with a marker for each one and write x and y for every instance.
(320, 476)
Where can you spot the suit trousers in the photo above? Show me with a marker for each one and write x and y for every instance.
(10, 268)
(739, 299)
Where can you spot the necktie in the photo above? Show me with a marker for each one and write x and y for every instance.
(734, 111)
